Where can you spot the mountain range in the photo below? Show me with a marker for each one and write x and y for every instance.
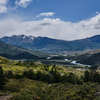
(50, 45)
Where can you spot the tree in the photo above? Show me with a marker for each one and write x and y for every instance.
(2, 78)
(86, 76)
(29, 74)
(9, 74)
(72, 78)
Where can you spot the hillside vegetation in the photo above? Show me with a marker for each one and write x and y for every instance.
(13, 52)
(28, 80)
(88, 58)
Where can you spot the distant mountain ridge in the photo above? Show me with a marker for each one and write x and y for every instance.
(53, 45)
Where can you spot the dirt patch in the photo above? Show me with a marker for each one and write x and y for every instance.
(5, 97)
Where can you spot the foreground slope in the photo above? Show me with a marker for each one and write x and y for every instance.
(41, 82)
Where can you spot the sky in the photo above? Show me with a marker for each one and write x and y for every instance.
(59, 19)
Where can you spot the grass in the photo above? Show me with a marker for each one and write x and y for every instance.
(20, 69)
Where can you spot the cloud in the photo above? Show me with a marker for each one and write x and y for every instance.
(3, 2)
(52, 27)
(46, 14)
(3, 6)
(3, 9)
(23, 3)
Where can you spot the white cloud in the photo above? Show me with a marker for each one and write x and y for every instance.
(3, 6)
(3, 2)
(50, 27)
(3, 9)
(46, 14)
(23, 3)
(97, 12)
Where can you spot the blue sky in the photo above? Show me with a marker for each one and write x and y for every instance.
(70, 10)
(61, 19)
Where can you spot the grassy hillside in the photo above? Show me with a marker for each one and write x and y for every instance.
(13, 52)
(23, 80)
(91, 58)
